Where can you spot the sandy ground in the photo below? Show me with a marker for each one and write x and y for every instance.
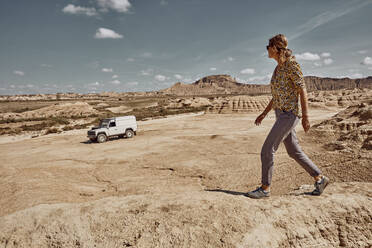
(175, 154)
(173, 161)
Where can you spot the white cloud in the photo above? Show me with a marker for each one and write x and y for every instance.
(367, 61)
(317, 64)
(260, 78)
(95, 84)
(178, 76)
(307, 56)
(247, 71)
(325, 55)
(229, 59)
(213, 68)
(132, 83)
(115, 76)
(104, 33)
(147, 72)
(187, 80)
(356, 75)
(369, 68)
(328, 61)
(362, 51)
(78, 10)
(117, 5)
(239, 80)
(326, 17)
(130, 59)
(18, 73)
(163, 2)
(107, 70)
(160, 78)
(115, 82)
(146, 55)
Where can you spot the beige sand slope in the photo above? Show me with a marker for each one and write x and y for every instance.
(178, 183)
(68, 109)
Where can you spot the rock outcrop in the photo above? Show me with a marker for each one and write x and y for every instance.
(317, 83)
(351, 128)
(340, 217)
(338, 98)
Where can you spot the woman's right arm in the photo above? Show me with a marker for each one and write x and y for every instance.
(264, 113)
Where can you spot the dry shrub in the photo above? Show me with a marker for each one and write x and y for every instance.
(10, 131)
(3, 121)
(52, 130)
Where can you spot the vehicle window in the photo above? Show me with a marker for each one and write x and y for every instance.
(104, 123)
(112, 124)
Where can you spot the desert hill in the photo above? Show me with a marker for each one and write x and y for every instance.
(214, 85)
(225, 84)
(67, 109)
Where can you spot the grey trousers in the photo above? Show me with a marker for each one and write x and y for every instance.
(284, 130)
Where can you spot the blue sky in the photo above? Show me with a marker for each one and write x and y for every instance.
(82, 46)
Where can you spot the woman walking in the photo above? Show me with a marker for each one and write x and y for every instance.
(287, 84)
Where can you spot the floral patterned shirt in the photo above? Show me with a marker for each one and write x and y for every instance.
(285, 82)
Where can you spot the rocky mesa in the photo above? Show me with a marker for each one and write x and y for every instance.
(225, 84)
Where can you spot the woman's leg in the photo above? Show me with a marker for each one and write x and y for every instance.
(294, 151)
(285, 123)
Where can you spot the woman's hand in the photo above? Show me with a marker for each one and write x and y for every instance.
(305, 123)
(259, 119)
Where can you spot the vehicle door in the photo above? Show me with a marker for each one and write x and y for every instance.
(113, 129)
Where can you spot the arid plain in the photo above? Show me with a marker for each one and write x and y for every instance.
(180, 182)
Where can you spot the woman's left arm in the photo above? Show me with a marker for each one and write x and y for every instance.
(305, 116)
(298, 81)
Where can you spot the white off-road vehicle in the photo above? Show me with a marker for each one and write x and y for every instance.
(125, 126)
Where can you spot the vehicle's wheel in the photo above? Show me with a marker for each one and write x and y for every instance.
(129, 133)
(101, 138)
(93, 139)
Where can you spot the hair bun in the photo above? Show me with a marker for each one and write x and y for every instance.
(281, 43)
